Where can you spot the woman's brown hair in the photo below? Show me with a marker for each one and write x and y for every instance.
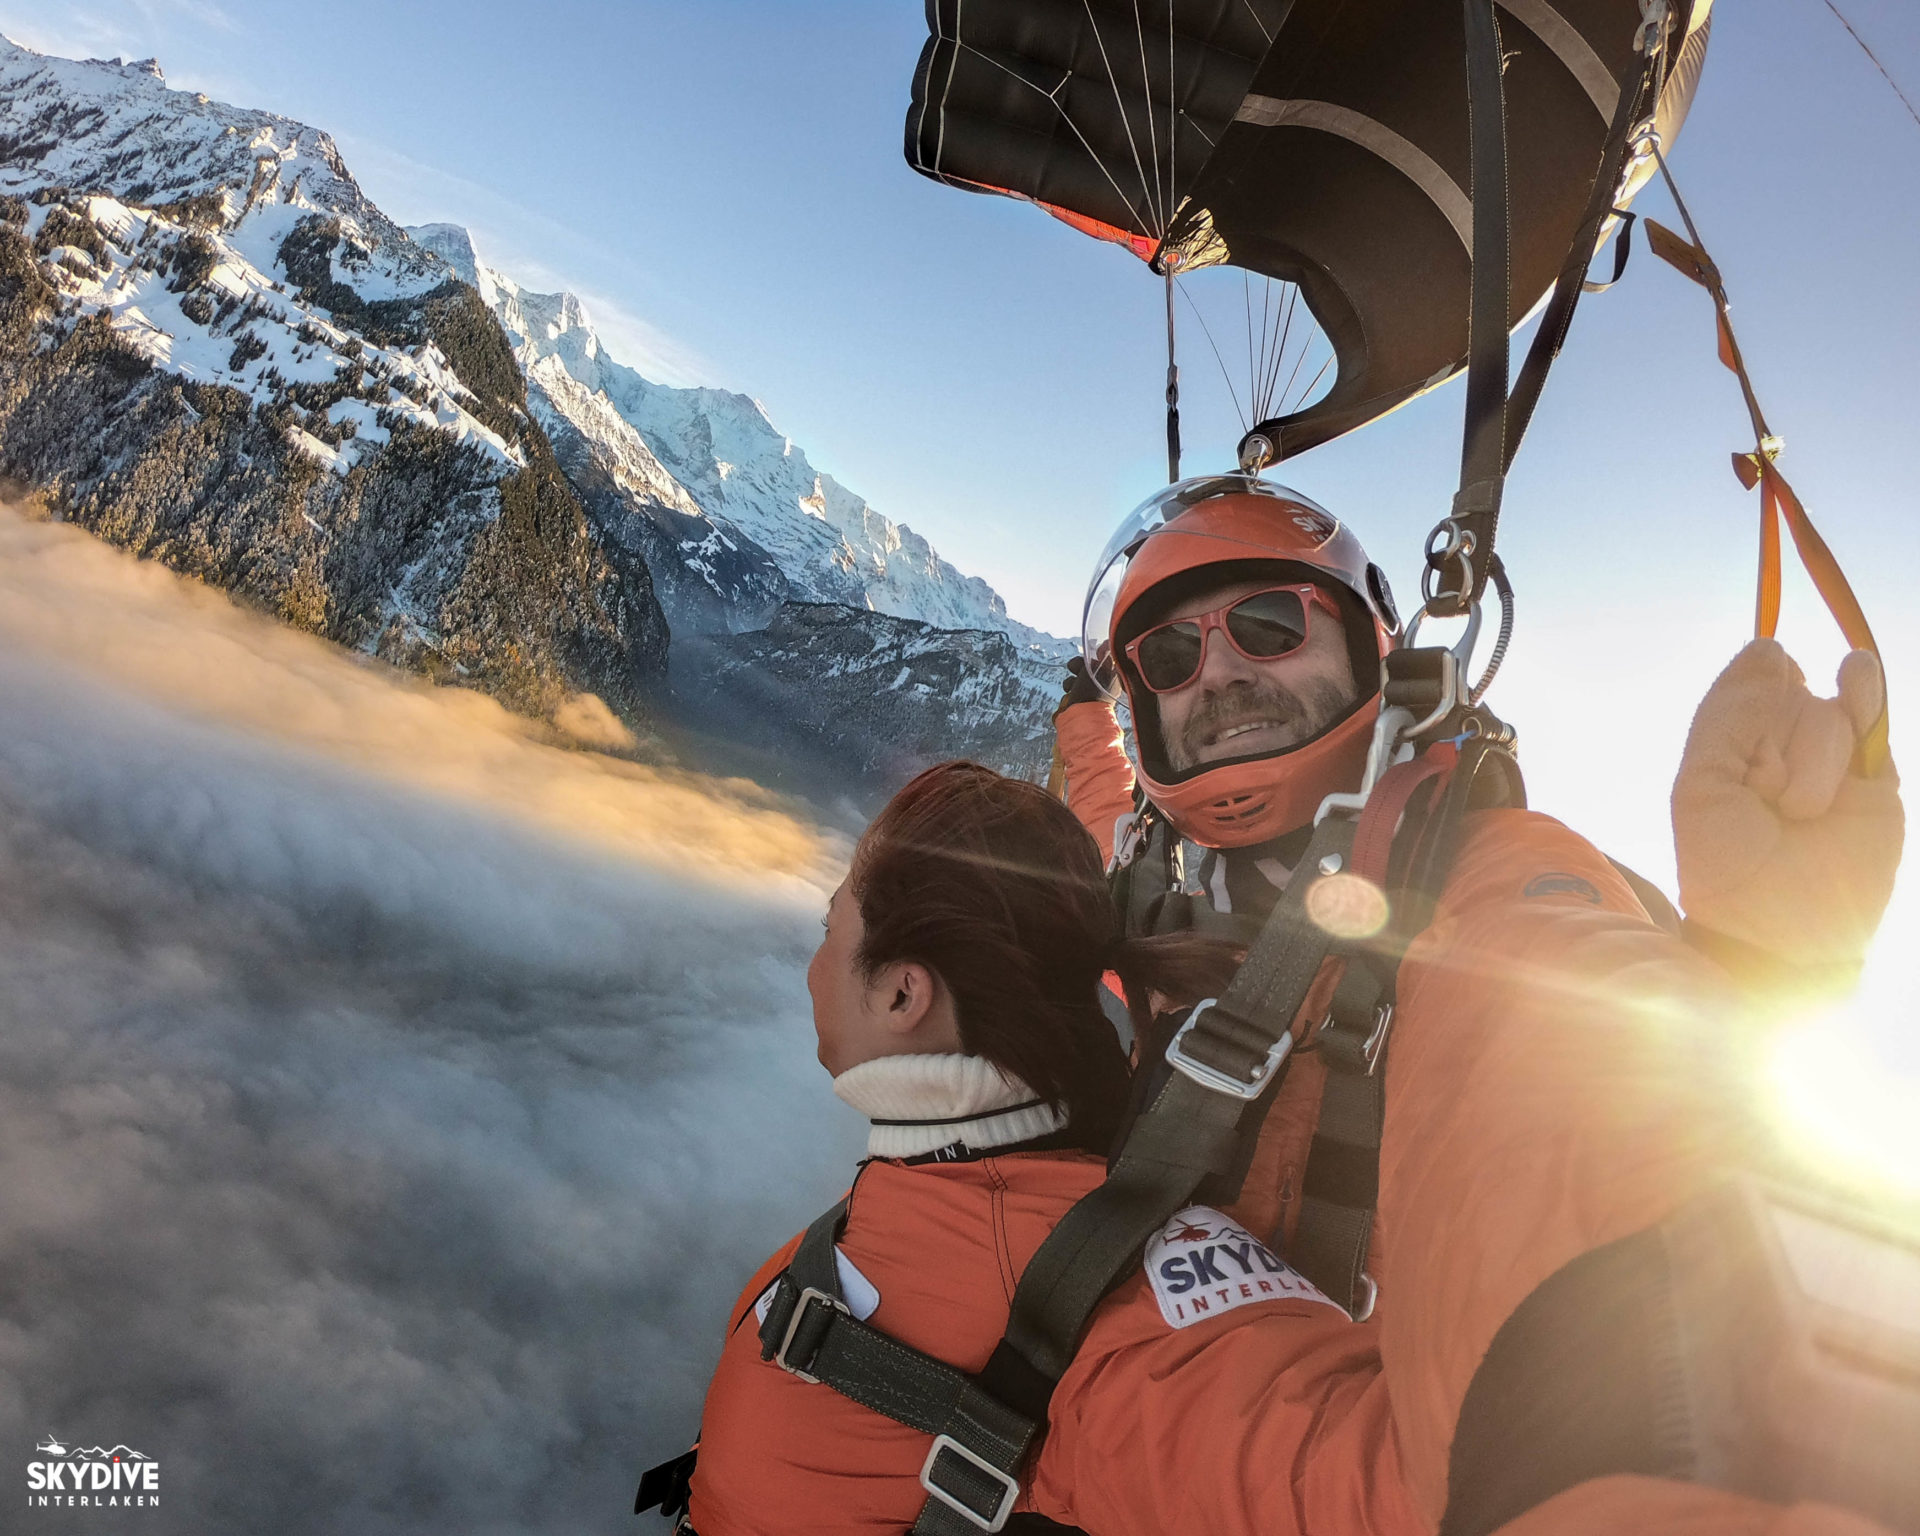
(995, 886)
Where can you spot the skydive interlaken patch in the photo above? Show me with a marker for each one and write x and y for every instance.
(1203, 1264)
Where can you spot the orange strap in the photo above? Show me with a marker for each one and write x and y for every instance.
(1777, 498)
(1057, 771)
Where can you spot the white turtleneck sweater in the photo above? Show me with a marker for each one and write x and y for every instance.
(919, 1104)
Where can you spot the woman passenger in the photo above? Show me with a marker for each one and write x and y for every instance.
(956, 999)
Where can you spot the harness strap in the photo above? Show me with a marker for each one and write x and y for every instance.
(1483, 458)
(971, 1472)
(1228, 1060)
(1341, 1186)
(1558, 315)
(1340, 1191)
(1380, 822)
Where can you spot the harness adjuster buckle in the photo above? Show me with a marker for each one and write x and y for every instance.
(1214, 1078)
(1376, 1043)
(1007, 1496)
(806, 1299)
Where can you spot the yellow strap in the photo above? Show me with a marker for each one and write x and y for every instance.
(1057, 773)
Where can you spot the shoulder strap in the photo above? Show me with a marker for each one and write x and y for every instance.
(1228, 1058)
(1142, 881)
(971, 1471)
(1340, 1189)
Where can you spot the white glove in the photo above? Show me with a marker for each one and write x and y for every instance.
(1779, 845)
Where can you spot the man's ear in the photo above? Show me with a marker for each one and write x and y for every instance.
(906, 991)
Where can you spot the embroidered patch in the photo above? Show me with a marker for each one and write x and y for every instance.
(1558, 884)
(862, 1299)
(1203, 1264)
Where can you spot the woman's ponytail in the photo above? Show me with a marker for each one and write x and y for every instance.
(1173, 970)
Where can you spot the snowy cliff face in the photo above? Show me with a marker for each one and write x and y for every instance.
(96, 125)
(215, 351)
(828, 689)
(715, 454)
(709, 575)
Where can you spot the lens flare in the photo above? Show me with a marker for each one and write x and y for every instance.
(1839, 1104)
(1348, 906)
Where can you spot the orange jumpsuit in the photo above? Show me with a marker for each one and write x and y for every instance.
(1562, 1075)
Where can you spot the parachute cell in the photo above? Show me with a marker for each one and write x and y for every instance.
(1320, 142)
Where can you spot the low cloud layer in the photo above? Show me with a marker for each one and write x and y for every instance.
(391, 1100)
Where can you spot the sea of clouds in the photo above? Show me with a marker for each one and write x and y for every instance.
(393, 1095)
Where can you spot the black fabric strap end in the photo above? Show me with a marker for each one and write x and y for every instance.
(667, 1487)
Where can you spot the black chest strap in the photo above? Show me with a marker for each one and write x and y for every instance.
(1415, 820)
(1341, 1186)
(1228, 1059)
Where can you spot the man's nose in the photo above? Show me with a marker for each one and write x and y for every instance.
(1223, 665)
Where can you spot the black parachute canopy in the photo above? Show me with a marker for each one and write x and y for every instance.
(1320, 142)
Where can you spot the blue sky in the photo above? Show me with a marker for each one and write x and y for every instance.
(723, 182)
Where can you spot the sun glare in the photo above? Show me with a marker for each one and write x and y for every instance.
(1840, 1105)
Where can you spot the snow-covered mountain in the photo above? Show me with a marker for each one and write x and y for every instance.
(216, 351)
(714, 456)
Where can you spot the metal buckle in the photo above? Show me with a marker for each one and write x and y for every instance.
(1377, 1041)
(1213, 1077)
(1009, 1485)
(1365, 1310)
(793, 1327)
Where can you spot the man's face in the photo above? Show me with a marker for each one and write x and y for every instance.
(1238, 707)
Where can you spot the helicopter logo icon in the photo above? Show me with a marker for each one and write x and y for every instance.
(52, 1447)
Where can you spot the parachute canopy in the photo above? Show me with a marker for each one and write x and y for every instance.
(1321, 142)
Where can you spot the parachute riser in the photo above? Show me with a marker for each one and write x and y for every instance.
(1173, 388)
(1460, 550)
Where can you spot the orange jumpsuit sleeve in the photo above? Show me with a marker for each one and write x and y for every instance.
(1099, 776)
(1273, 1420)
(1562, 1073)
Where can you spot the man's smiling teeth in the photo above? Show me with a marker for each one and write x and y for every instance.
(1247, 725)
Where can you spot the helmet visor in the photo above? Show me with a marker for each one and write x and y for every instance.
(1147, 519)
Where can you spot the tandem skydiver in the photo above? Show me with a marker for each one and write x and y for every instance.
(1566, 1058)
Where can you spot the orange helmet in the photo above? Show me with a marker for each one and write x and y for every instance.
(1229, 526)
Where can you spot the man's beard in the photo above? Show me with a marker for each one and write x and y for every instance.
(1307, 711)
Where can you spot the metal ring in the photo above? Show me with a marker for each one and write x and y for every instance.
(1455, 535)
(1429, 578)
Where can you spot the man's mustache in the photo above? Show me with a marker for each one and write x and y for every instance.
(1306, 709)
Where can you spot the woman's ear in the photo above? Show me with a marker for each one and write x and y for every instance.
(907, 993)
